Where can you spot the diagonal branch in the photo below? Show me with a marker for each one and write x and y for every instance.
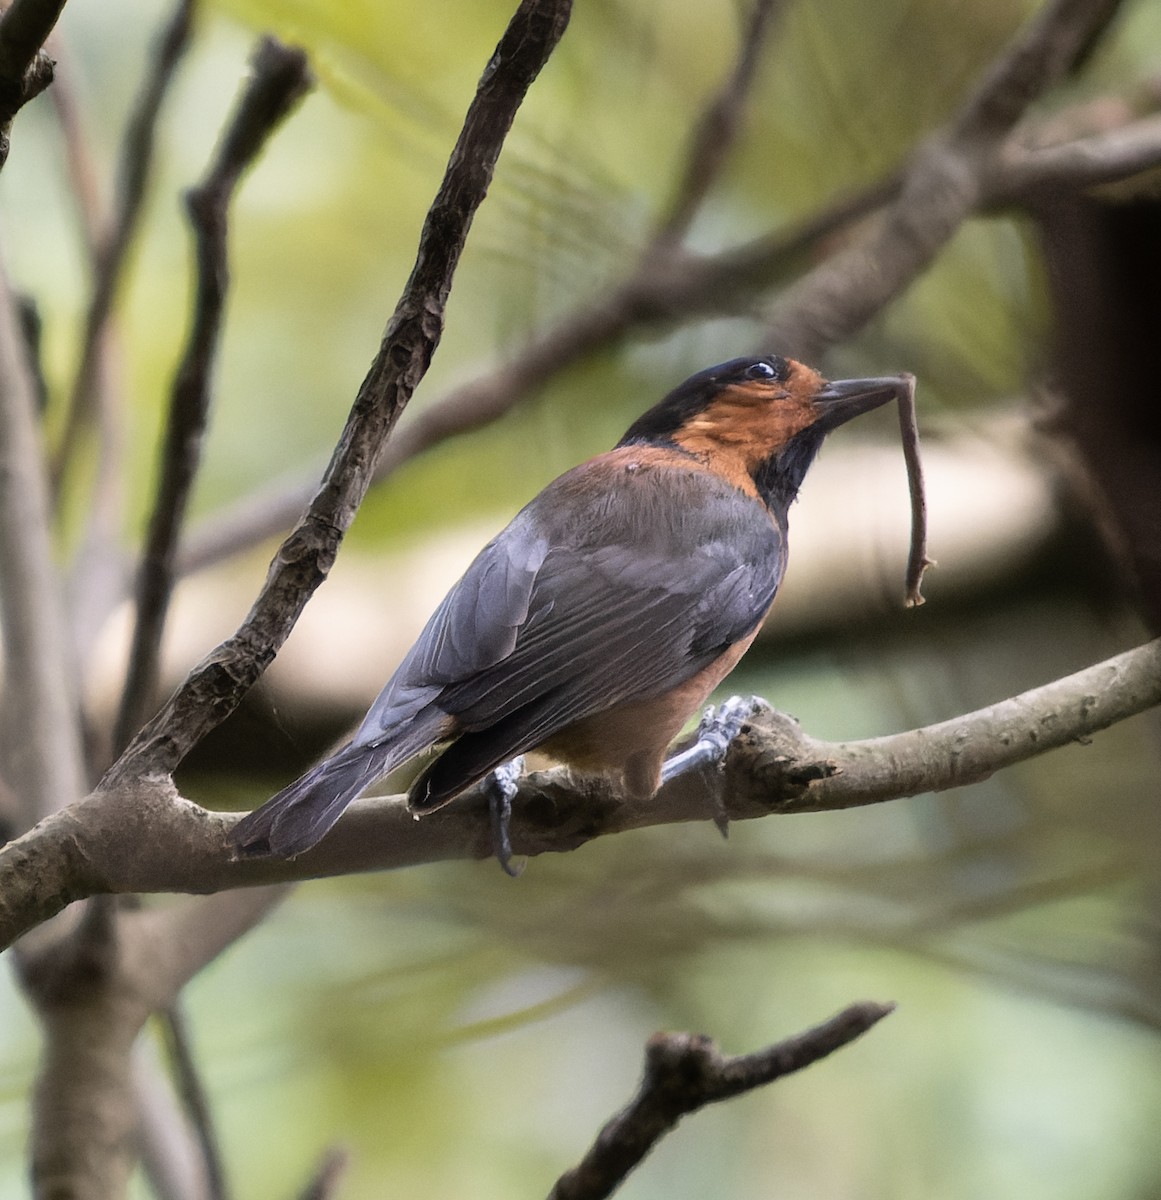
(773, 767)
(683, 1073)
(941, 188)
(215, 687)
(280, 78)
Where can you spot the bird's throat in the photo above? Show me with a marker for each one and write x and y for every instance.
(779, 477)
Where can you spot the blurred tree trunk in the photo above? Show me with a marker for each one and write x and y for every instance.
(1104, 268)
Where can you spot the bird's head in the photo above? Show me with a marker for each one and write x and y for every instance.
(765, 417)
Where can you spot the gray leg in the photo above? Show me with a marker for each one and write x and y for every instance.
(501, 786)
(719, 726)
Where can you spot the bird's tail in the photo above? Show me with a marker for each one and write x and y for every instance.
(297, 817)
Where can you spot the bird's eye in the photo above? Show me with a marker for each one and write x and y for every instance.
(760, 370)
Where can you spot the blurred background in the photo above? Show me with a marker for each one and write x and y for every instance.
(463, 1034)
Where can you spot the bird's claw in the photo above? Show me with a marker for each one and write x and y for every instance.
(717, 729)
(501, 785)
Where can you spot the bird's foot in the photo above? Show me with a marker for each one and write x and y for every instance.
(718, 727)
(501, 785)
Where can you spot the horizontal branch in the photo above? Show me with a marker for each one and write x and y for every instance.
(143, 837)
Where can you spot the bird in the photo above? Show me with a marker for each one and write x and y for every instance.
(600, 619)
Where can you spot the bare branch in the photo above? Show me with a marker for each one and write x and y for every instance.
(215, 687)
(133, 173)
(194, 1100)
(171, 1156)
(942, 186)
(41, 715)
(685, 1072)
(25, 70)
(280, 78)
(1045, 51)
(179, 941)
(324, 1184)
(773, 767)
(717, 130)
(1026, 174)
(83, 186)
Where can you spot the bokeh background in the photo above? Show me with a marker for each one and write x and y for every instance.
(463, 1034)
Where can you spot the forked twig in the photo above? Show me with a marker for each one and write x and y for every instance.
(685, 1072)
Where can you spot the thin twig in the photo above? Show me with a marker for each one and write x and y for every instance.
(171, 1157)
(683, 1073)
(718, 128)
(195, 1102)
(280, 78)
(83, 187)
(917, 560)
(133, 174)
(324, 1183)
(1027, 174)
(216, 686)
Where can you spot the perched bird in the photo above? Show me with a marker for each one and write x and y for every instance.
(602, 617)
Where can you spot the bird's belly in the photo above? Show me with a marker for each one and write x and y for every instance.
(632, 737)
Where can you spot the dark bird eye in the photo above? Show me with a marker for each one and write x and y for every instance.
(760, 370)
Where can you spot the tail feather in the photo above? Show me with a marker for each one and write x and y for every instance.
(298, 816)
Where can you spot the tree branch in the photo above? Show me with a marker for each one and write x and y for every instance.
(940, 189)
(717, 129)
(215, 687)
(685, 1072)
(280, 78)
(41, 713)
(140, 836)
(25, 70)
(1027, 174)
(133, 173)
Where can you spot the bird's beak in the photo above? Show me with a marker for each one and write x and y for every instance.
(843, 399)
